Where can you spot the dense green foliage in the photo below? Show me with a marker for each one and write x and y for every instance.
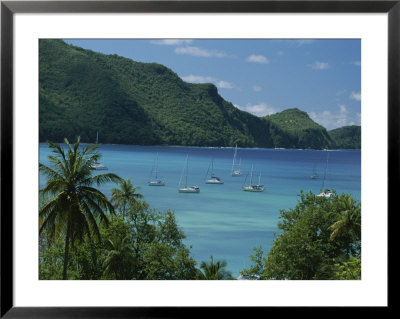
(302, 131)
(81, 231)
(347, 137)
(76, 208)
(123, 197)
(83, 235)
(82, 92)
(134, 103)
(319, 239)
(146, 245)
(257, 264)
(214, 270)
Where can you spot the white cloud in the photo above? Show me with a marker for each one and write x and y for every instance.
(355, 96)
(171, 42)
(208, 79)
(198, 79)
(257, 88)
(342, 108)
(257, 59)
(224, 85)
(356, 63)
(317, 65)
(199, 52)
(334, 119)
(260, 109)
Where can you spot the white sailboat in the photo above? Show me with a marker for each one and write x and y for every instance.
(155, 181)
(98, 166)
(314, 174)
(235, 172)
(213, 179)
(325, 192)
(254, 188)
(187, 189)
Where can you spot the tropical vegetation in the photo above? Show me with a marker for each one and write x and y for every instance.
(130, 102)
(214, 270)
(76, 208)
(318, 239)
(347, 137)
(84, 235)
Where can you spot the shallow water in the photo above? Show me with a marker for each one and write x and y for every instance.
(222, 220)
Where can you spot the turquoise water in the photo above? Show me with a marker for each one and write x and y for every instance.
(223, 220)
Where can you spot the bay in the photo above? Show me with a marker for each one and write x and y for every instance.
(222, 220)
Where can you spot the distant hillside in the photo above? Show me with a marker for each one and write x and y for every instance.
(347, 137)
(301, 130)
(82, 92)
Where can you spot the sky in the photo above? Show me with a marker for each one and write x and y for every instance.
(261, 76)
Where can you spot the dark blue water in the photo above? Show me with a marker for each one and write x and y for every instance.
(223, 220)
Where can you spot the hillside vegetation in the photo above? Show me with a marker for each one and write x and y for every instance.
(347, 137)
(302, 131)
(82, 92)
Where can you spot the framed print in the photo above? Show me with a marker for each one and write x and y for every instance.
(237, 111)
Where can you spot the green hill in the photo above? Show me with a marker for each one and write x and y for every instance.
(347, 137)
(82, 92)
(301, 130)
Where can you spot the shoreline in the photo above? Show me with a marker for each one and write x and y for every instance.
(221, 147)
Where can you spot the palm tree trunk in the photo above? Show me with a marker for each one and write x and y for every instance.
(66, 251)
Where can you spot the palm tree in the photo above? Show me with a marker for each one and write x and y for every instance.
(214, 271)
(125, 195)
(348, 225)
(118, 258)
(75, 207)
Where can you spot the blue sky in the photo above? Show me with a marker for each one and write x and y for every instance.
(261, 76)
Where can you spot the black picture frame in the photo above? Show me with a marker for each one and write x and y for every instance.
(9, 8)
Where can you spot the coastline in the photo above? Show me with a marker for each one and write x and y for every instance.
(218, 147)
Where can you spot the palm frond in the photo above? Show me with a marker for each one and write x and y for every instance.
(49, 172)
(57, 149)
(105, 178)
(91, 221)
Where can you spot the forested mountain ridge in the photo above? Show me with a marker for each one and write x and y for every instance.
(302, 131)
(82, 92)
(347, 137)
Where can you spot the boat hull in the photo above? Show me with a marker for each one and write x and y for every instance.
(189, 190)
(214, 180)
(236, 174)
(98, 167)
(326, 195)
(156, 183)
(255, 189)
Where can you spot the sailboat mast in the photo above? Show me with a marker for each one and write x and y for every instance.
(251, 175)
(97, 138)
(187, 168)
(234, 157)
(156, 165)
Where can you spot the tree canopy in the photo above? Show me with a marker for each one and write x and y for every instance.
(316, 239)
(130, 102)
